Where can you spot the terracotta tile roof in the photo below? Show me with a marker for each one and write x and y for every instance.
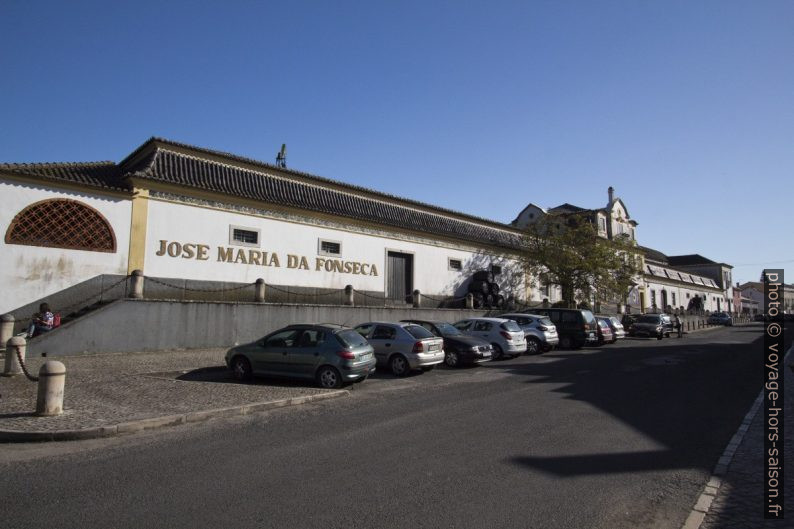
(567, 208)
(654, 255)
(104, 175)
(196, 167)
(246, 178)
(691, 259)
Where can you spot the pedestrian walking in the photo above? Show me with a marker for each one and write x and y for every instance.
(679, 325)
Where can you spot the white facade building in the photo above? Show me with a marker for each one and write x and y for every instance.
(182, 212)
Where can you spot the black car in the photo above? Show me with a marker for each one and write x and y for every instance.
(458, 347)
(575, 327)
(651, 325)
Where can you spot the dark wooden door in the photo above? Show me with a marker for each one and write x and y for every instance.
(399, 283)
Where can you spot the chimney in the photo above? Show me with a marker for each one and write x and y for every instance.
(611, 192)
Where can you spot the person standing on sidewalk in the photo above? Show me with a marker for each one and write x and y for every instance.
(679, 326)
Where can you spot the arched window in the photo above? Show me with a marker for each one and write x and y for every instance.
(62, 223)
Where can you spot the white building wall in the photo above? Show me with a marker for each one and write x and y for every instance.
(681, 299)
(200, 225)
(30, 272)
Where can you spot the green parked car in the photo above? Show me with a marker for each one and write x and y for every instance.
(332, 355)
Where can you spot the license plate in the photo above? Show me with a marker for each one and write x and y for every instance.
(486, 354)
(592, 336)
(433, 348)
(366, 356)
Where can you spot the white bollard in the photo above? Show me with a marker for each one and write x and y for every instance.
(259, 295)
(6, 329)
(12, 367)
(137, 284)
(349, 295)
(52, 377)
(417, 299)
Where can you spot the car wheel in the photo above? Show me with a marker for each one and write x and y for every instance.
(661, 335)
(329, 378)
(565, 342)
(399, 366)
(533, 346)
(497, 352)
(428, 368)
(241, 369)
(451, 359)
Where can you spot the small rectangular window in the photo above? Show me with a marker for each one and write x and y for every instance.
(326, 247)
(456, 264)
(243, 236)
(496, 269)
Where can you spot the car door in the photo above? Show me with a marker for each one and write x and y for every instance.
(304, 359)
(463, 326)
(382, 339)
(270, 354)
(482, 329)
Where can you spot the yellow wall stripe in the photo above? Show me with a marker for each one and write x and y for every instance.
(140, 217)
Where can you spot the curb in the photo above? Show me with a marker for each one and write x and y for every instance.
(17, 436)
(698, 513)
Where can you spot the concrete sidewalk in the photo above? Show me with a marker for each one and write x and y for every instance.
(111, 394)
(734, 496)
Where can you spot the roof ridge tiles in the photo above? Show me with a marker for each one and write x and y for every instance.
(9, 165)
(472, 220)
(321, 179)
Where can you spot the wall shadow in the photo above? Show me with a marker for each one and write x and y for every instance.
(689, 402)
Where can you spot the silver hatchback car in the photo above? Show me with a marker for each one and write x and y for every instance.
(403, 346)
(540, 332)
(504, 335)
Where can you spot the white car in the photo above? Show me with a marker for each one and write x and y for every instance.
(504, 335)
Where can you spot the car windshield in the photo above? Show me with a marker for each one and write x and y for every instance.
(648, 319)
(603, 324)
(545, 321)
(418, 332)
(448, 330)
(588, 316)
(614, 320)
(351, 338)
(511, 326)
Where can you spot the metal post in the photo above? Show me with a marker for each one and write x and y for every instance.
(137, 284)
(52, 377)
(470, 301)
(6, 329)
(260, 291)
(14, 345)
(417, 299)
(349, 295)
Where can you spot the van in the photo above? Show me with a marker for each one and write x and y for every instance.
(575, 327)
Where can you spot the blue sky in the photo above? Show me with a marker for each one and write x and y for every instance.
(686, 108)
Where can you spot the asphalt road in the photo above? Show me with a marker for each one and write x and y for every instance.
(619, 436)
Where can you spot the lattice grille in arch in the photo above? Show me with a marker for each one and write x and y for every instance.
(62, 223)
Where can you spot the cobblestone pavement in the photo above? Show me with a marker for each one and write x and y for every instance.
(108, 389)
(739, 502)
